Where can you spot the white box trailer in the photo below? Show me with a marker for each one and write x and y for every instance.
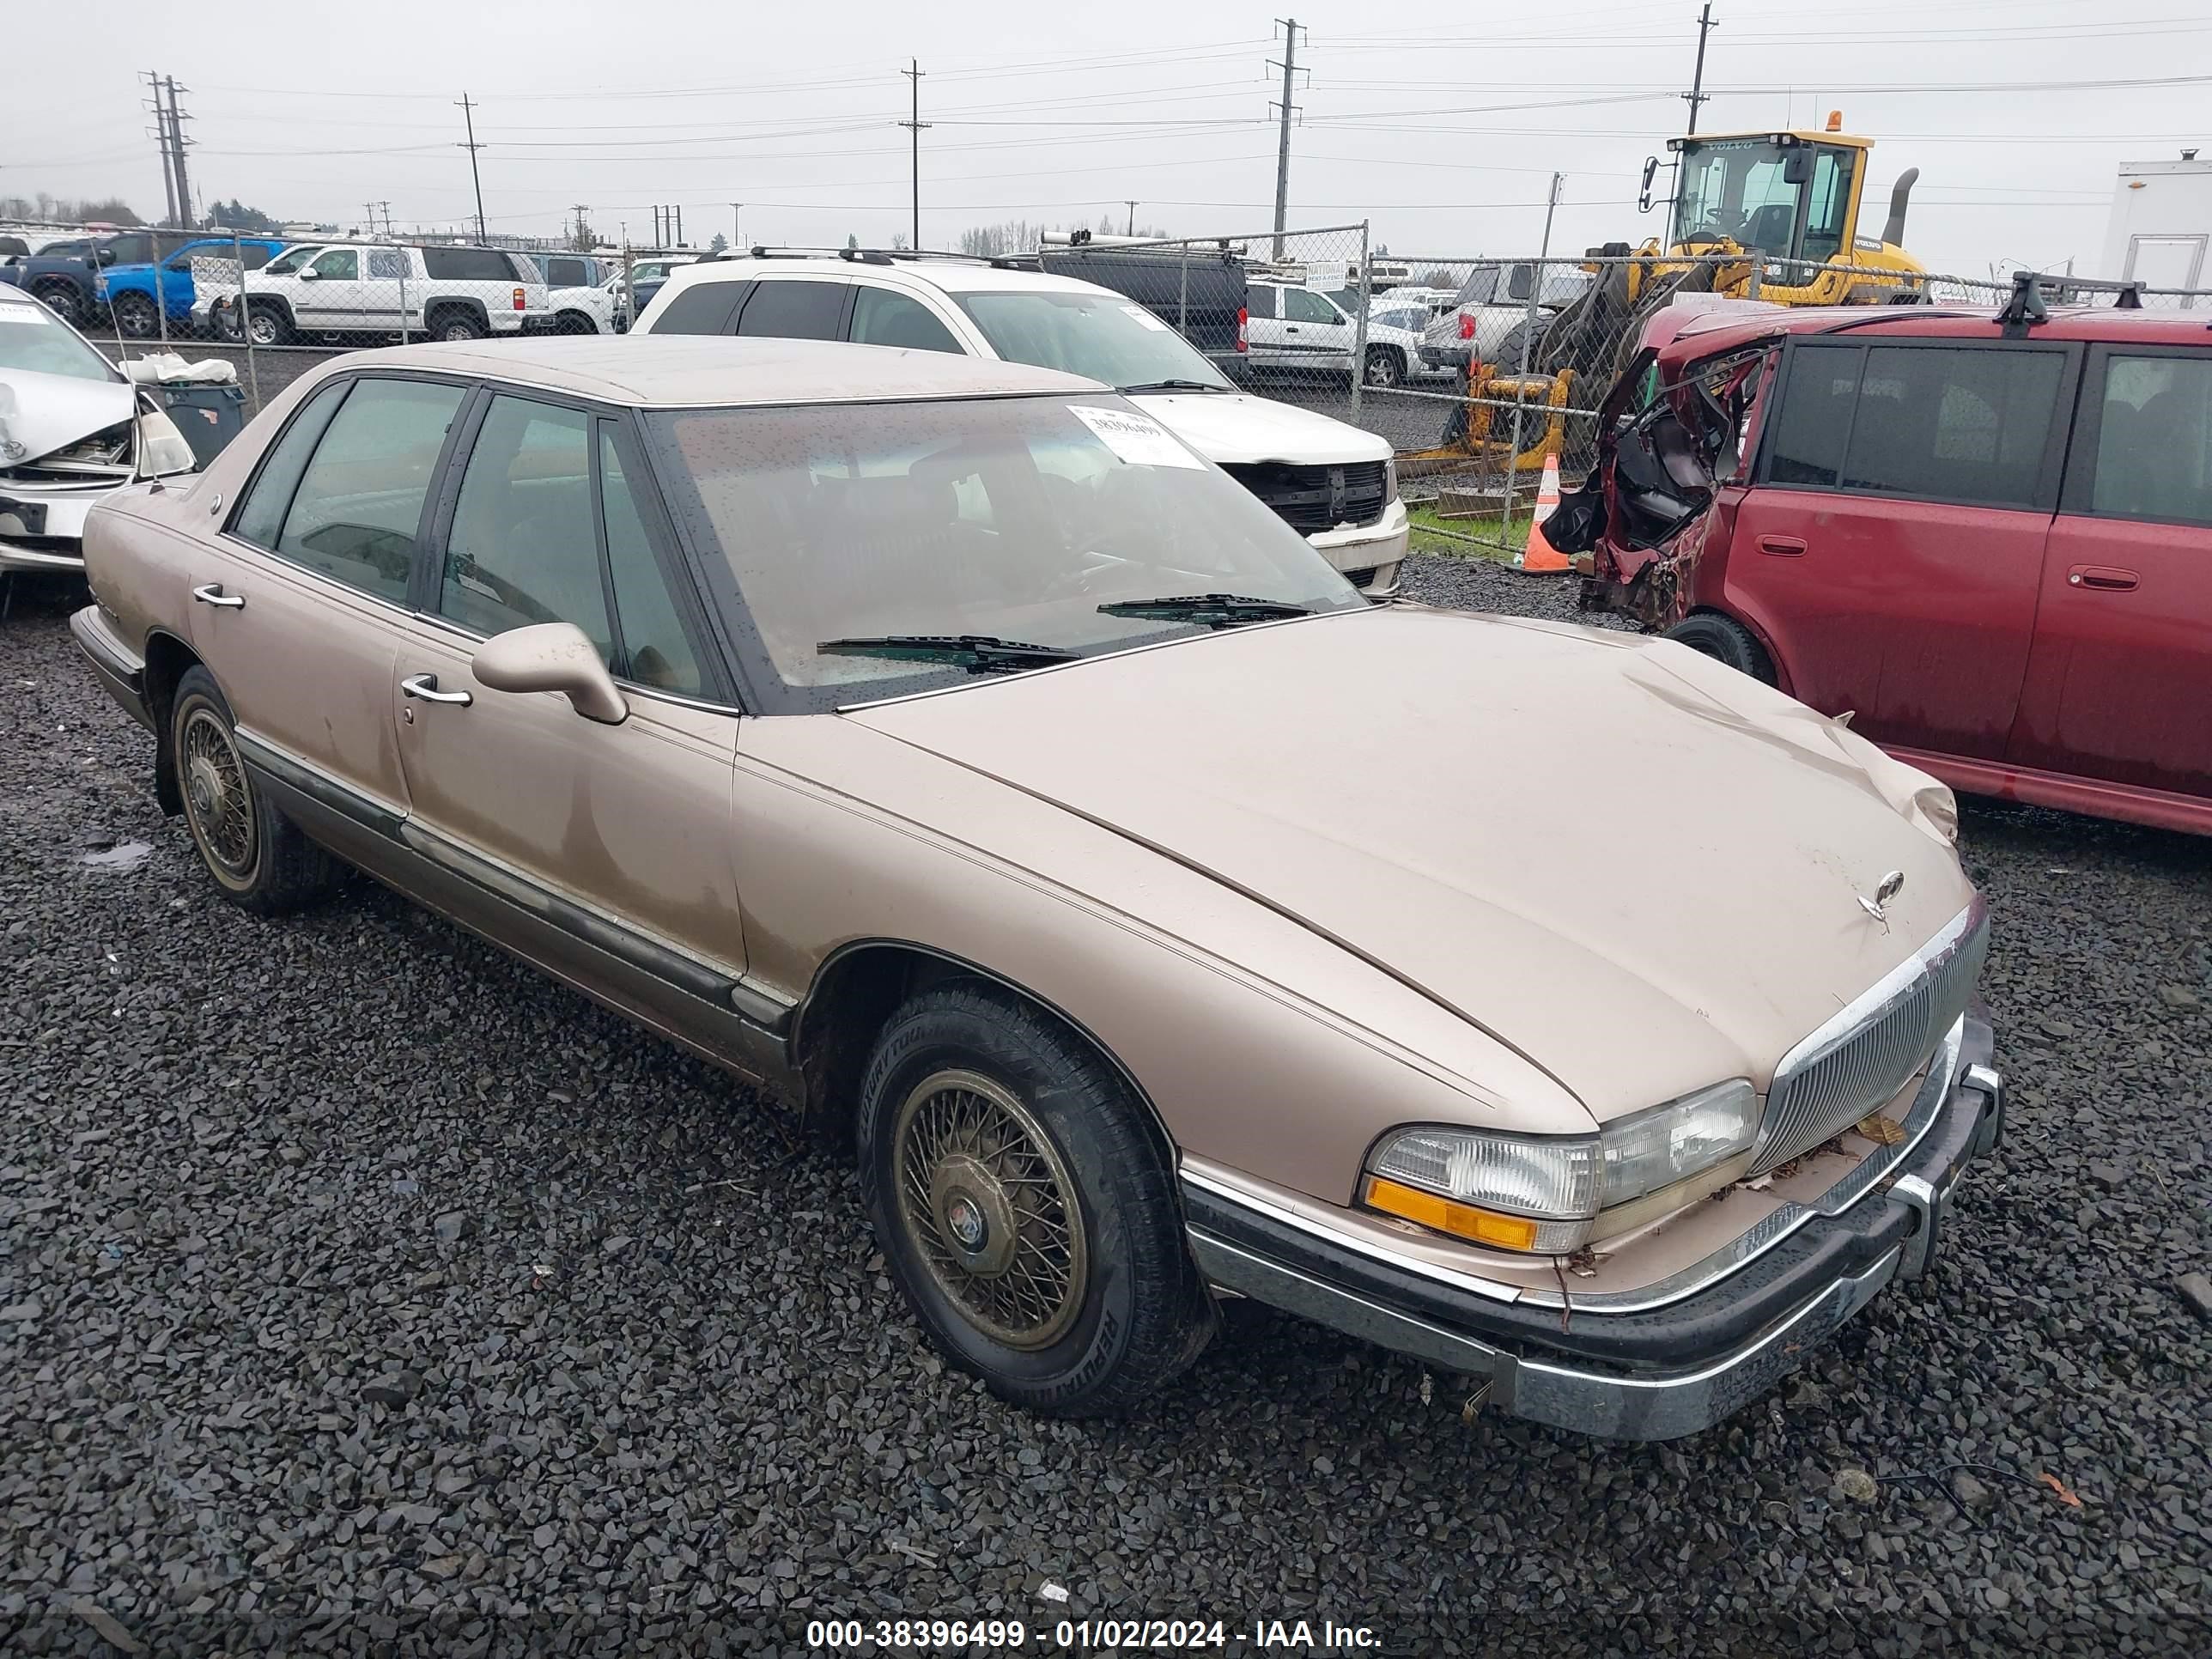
(2161, 224)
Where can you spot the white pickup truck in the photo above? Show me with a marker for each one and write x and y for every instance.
(443, 293)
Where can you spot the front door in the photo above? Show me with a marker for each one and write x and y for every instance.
(331, 300)
(2119, 685)
(299, 607)
(601, 851)
(1892, 546)
(1315, 334)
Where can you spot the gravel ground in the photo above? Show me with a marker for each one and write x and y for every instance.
(358, 1287)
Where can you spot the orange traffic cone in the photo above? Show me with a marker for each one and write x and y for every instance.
(1539, 555)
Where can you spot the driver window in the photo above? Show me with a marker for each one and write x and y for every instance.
(340, 264)
(1303, 305)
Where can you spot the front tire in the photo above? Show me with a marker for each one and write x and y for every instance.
(259, 858)
(1726, 640)
(1023, 1206)
(269, 325)
(1385, 367)
(63, 301)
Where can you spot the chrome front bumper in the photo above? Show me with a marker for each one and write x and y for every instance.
(1654, 1365)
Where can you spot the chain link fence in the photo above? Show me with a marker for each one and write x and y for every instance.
(1478, 371)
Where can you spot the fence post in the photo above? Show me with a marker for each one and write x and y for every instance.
(245, 328)
(630, 291)
(403, 299)
(1182, 296)
(1757, 270)
(162, 293)
(1528, 343)
(1360, 323)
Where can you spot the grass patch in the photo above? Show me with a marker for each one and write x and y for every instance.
(1444, 537)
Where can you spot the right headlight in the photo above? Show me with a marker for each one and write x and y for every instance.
(1551, 1194)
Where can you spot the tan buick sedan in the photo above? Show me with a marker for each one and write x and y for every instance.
(945, 743)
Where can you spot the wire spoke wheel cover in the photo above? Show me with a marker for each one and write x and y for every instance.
(989, 1206)
(218, 799)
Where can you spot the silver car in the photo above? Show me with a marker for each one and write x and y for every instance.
(73, 431)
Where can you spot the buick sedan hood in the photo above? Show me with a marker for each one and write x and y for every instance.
(1230, 427)
(1638, 870)
(46, 412)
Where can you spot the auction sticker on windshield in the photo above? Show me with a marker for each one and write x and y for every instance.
(1146, 318)
(31, 313)
(1137, 438)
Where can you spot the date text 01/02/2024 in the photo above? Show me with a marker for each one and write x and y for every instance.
(1085, 1635)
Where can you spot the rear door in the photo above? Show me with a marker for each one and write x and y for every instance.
(1263, 326)
(1891, 547)
(2119, 684)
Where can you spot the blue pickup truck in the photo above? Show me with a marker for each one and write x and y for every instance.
(129, 290)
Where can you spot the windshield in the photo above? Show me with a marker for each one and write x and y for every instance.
(291, 259)
(31, 338)
(1101, 336)
(1010, 518)
(1736, 188)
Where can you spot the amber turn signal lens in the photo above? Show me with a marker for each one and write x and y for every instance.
(1508, 1232)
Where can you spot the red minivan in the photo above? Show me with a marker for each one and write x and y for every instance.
(1987, 535)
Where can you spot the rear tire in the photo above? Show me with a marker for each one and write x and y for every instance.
(134, 316)
(573, 322)
(1024, 1205)
(260, 860)
(1726, 640)
(64, 300)
(455, 326)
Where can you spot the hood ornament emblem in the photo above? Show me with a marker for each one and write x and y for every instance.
(1885, 890)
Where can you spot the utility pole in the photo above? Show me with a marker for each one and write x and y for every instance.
(469, 115)
(386, 206)
(162, 137)
(1132, 217)
(177, 117)
(369, 208)
(1283, 148)
(734, 238)
(1696, 95)
(579, 208)
(679, 224)
(914, 124)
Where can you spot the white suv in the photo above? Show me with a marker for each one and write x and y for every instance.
(438, 292)
(1335, 483)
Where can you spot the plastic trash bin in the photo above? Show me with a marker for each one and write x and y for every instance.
(209, 416)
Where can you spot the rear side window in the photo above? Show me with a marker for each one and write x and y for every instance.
(794, 309)
(386, 265)
(2154, 441)
(354, 515)
(567, 273)
(470, 264)
(702, 308)
(253, 254)
(1929, 422)
(883, 318)
(261, 517)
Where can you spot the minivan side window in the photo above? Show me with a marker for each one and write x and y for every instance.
(700, 308)
(358, 502)
(2154, 441)
(881, 317)
(793, 308)
(1937, 423)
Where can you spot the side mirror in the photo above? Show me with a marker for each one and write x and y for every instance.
(551, 656)
(306, 273)
(1650, 171)
(105, 256)
(1797, 167)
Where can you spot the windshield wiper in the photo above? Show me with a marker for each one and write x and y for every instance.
(1214, 609)
(1171, 386)
(979, 653)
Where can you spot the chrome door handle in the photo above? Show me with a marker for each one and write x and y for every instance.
(425, 686)
(212, 593)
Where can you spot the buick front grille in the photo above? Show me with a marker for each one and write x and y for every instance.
(1856, 1063)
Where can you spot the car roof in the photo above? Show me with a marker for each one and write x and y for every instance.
(674, 371)
(1710, 332)
(951, 275)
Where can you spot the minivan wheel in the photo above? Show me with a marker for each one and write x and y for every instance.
(1727, 640)
(1385, 367)
(1024, 1207)
(258, 857)
(134, 316)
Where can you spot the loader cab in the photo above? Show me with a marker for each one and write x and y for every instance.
(1794, 196)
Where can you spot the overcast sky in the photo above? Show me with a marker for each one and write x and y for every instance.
(1443, 135)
